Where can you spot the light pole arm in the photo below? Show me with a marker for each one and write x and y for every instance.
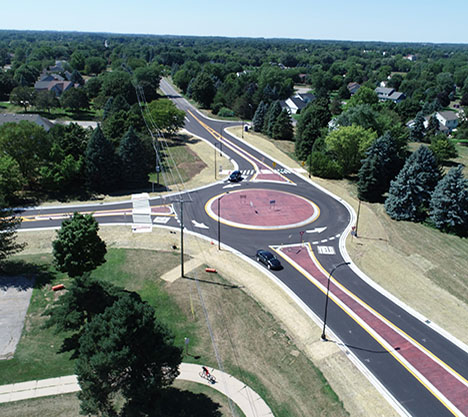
(324, 337)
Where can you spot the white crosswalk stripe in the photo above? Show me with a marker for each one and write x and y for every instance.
(248, 172)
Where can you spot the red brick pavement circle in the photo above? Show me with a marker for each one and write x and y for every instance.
(262, 209)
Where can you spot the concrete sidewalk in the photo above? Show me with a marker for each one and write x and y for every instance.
(245, 398)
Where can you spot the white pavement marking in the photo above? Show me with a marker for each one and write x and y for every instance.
(251, 404)
(141, 213)
(200, 225)
(317, 230)
(326, 250)
(161, 220)
(232, 185)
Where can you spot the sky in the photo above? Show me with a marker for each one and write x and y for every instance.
(359, 20)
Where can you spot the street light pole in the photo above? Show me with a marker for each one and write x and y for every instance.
(324, 337)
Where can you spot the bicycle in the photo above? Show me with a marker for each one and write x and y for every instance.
(209, 377)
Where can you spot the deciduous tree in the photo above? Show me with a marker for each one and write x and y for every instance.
(167, 117)
(78, 247)
(23, 96)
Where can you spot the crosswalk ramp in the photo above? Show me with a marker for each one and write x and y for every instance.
(141, 213)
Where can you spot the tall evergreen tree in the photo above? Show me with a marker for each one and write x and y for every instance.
(417, 132)
(107, 108)
(125, 361)
(433, 126)
(283, 128)
(313, 118)
(135, 165)
(274, 110)
(259, 117)
(449, 203)
(383, 162)
(102, 170)
(410, 192)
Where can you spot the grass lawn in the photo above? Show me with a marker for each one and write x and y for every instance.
(57, 113)
(252, 345)
(180, 163)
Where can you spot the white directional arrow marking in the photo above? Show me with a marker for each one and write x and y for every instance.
(316, 230)
(200, 225)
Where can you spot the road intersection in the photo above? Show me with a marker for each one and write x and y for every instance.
(421, 371)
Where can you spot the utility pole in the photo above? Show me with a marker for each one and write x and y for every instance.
(182, 238)
(357, 220)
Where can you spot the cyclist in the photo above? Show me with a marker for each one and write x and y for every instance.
(205, 371)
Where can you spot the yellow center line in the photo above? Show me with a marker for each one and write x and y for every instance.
(236, 148)
(379, 339)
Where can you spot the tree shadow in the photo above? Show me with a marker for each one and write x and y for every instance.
(16, 270)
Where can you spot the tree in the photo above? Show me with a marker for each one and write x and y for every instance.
(313, 118)
(283, 128)
(442, 147)
(8, 225)
(203, 89)
(323, 166)
(28, 144)
(75, 99)
(385, 157)
(7, 83)
(46, 100)
(102, 171)
(167, 117)
(135, 165)
(259, 117)
(22, 96)
(148, 79)
(78, 247)
(364, 95)
(348, 145)
(410, 192)
(125, 353)
(274, 110)
(85, 299)
(417, 132)
(11, 179)
(94, 65)
(433, 126)
(449, 203)
(118, 83)
(76, 78)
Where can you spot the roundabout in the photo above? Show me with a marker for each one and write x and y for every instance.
(262, 209)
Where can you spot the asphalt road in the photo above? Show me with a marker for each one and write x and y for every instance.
(416, 395)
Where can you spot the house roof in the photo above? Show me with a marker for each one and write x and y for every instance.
(306, 97)
(384, 91)
(33, 118)
(448, 115)
(300, 104)
(396, 95)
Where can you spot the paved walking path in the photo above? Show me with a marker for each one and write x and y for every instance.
(251, 404)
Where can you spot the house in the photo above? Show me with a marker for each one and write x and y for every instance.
(33, 118)
(389, 94)
(353, 88)
(410, 57)
(296, 103)
(448, 119)
(53, 82)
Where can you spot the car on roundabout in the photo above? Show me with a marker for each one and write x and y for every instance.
(268, 259)
(235, 176)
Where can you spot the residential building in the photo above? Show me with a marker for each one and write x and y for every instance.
(389, 94)
(297, 102)
(33, 118)
(448, 119)
(353, 88)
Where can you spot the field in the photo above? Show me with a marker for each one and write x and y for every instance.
(252, 345)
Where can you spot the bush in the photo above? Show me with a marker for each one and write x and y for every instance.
(225, 112)
(321, 165)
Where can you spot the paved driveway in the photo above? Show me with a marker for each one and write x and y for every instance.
(15, 294)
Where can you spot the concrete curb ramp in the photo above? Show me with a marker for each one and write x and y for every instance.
(251, 404)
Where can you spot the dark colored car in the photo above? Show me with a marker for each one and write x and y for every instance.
(268, 259)
(235, 176)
